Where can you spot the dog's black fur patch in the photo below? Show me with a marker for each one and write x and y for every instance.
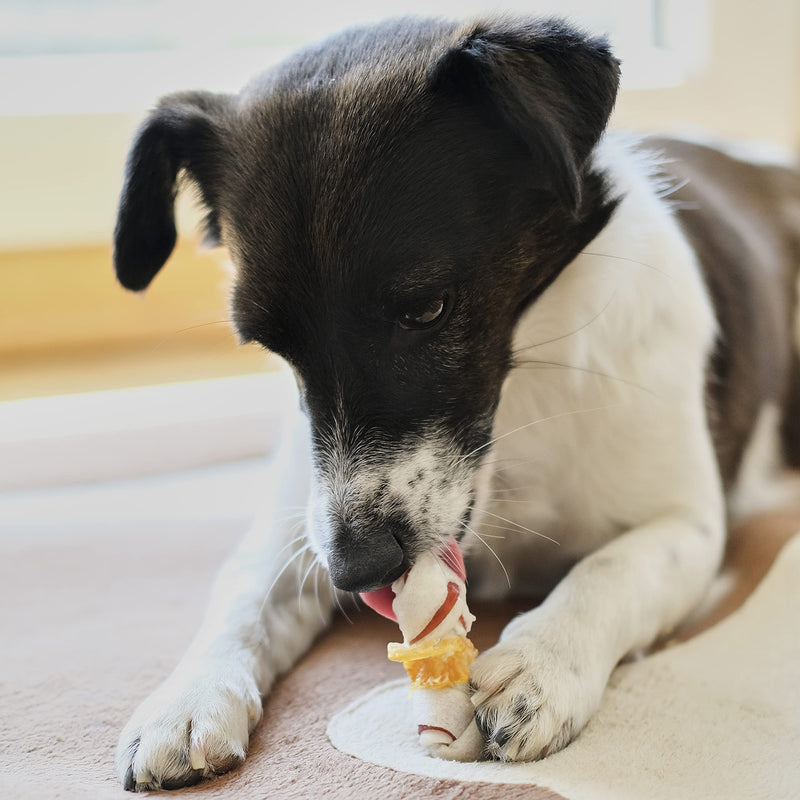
(391, 169)
(182, 134)
(371, 174)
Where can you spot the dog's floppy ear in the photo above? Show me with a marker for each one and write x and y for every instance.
(183, 133)
(552, 86)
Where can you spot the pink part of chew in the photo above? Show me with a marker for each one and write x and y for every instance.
(381, 599)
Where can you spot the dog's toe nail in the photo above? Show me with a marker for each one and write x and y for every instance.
(480, 697)
(197, 757)
(502, 736)
(189, 779)
(130, 782)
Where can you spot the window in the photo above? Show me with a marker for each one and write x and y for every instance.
(81, 56)
(76, 76)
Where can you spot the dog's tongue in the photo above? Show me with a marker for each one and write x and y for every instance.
(381, 599)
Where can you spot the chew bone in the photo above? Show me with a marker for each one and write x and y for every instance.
(431, 609)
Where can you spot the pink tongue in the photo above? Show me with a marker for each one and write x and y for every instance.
(381, 599)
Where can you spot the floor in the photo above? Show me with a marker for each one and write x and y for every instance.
(66, 326)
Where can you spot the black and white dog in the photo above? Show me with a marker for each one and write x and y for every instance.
(502, 322)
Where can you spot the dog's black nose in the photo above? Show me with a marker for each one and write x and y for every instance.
(363, 561)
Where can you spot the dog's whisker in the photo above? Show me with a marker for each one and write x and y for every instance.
(283, 569)
(301, 568)
(506, 467)
(493, 535)
(339, 605)
(175, 333)
(521, 527)
(571, 333)
(628, 260)
(495, 490)
(316, 595)
(442, 562)
(226, 321)
(293, 541)
(295, 523)
(557, 365)
(509, 460)
(489, 535)
(513, 500)
(443, 554)
(311, 566)
(323, 618)
(508, 528)
(536, 422)
(293, 512)
(490, 549)
(485, 524)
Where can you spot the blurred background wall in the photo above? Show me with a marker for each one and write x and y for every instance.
(77, 76)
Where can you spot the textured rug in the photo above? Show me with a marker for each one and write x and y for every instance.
(102, 587)
(717, 716)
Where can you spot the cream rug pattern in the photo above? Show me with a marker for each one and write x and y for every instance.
(715, 717)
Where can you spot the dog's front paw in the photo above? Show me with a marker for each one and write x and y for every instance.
(193, 726)
(531, 697)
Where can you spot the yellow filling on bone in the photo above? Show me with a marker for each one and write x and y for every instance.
(435, 663)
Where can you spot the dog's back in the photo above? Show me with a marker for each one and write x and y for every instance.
(743, 220)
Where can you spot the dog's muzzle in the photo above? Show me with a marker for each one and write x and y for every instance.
(367, 560)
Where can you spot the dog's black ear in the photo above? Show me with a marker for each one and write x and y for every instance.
(181, 135)
(553, 86)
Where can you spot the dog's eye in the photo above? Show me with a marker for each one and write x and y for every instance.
(426, 317)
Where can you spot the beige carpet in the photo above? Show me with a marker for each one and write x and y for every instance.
(717, 716)
(98, 602)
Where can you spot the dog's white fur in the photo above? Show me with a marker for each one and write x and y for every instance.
(597, 447)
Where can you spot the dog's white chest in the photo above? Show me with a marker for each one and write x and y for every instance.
(591, 417)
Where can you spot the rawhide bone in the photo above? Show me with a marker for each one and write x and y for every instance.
(429, 604)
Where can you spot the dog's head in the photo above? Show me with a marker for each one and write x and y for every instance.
(393, 200)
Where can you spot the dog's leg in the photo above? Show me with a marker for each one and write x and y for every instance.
(537, 688)
(197, 723)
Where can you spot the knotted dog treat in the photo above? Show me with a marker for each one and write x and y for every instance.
(429, 604)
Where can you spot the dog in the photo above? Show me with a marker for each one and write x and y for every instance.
(503, 321)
